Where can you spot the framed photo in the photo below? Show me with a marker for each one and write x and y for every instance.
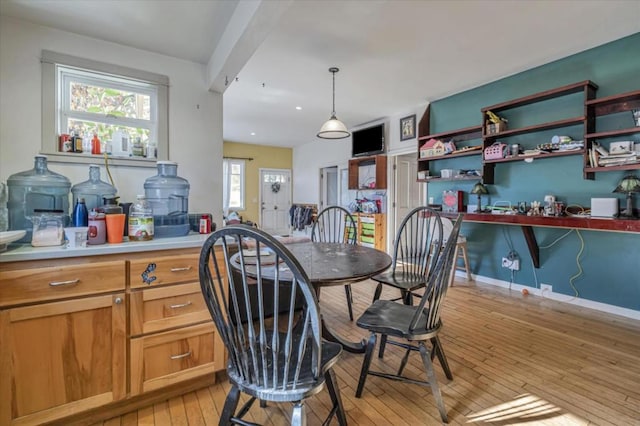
(408, 127)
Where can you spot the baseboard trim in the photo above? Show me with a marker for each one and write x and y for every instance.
(598, 306)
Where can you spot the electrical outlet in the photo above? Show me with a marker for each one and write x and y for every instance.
(513, 264)
(545, 288)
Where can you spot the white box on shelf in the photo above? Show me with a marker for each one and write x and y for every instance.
(604, 207)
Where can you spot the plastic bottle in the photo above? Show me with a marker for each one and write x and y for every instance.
(141, 220)
(80, 213)
(95, 145)
(168, 195)
(93, 190)
(4, 213)
(38, 188)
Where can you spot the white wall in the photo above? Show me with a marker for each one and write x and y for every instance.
(308, 159)
(195, 114)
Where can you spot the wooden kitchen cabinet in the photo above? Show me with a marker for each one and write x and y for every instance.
(173, 336)
(81, 335)
(62, 357)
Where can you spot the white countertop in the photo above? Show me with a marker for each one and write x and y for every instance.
(20, 252)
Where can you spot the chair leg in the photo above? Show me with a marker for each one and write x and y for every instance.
(299, 415)
(366, 363)
(334, 393)
(407, 297)
(347, 290)
(433, 381)
(403, 362)
(376, 294)
(439, 351)
(230, 406)
(465, 259)
(383, 345)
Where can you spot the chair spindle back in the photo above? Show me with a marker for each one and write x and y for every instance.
(417, 242)
(266, 351)
(438, 282)
(334, 224)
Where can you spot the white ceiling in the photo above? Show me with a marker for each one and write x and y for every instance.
(394, 56)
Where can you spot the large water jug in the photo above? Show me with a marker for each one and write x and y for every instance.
(168, 195)
(36, 189)
(93, 190)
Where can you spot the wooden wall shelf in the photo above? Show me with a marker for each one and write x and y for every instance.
(573, 222)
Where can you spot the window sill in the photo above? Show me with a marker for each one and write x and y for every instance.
(57, 157)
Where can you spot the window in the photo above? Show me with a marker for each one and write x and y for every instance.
(233, 184)
(126, 109)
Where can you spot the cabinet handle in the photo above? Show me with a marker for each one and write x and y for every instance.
(118, 300)
(184, 355)
(59, 283)
(186, 268)
(180, 305)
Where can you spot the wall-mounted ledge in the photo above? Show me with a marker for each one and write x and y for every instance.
(573, 222)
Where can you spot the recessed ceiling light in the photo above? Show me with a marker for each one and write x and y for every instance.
(298, 108)
(253, 133)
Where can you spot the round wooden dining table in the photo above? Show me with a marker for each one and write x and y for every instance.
(329, 264)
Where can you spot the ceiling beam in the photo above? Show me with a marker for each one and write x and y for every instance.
(250, 24)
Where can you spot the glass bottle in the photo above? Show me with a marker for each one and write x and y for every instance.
(141, 220)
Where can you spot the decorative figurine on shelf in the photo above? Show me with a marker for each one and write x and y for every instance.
(535, 209)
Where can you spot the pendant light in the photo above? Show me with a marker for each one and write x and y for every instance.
(333, 128)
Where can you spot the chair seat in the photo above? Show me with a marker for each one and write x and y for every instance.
(402, 280)
(307, 385)
(393, 319)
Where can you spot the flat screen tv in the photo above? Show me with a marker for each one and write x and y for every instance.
(369, 141)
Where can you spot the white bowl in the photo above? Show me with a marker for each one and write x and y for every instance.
(7, 237)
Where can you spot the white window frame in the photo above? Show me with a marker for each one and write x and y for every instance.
(54, 115)
(226, 167)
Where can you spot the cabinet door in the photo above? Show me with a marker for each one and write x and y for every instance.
(62, 357)
(163, 359)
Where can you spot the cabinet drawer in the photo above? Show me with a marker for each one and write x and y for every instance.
(58, 282)
(164, 270)
(162, 359)
(162, 308)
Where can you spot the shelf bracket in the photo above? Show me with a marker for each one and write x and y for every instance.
(532, 244)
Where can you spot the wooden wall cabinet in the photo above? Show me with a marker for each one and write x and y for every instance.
(356, 165)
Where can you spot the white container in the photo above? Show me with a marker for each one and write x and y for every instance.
(447, 173)
(76, 236)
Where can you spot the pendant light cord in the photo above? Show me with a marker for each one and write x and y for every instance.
(334, 70)
(333, 110)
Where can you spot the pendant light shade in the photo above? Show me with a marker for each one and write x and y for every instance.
(333, 128)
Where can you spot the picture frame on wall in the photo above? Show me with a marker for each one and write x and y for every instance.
(408, 127)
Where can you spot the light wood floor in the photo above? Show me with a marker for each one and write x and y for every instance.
(515, 360)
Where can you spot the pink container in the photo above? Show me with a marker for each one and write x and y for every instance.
(97, 233)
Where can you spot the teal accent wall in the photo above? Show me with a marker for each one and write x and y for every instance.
(609, 269)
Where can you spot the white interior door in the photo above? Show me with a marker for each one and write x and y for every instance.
(275, 200)
(329, 190)
(409, 194)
